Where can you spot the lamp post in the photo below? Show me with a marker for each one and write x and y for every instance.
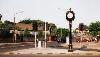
(14, 39)
(70, 16)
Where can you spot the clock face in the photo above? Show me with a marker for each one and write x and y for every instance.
(70, 15)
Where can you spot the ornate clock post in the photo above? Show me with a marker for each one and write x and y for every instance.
(70, 16)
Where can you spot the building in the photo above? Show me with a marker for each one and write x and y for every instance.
(23, 26)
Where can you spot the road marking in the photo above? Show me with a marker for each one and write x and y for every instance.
(2, 47)
(62, 53)
(11, 53)
(39, 53)
(18, 53)
(22, 45)
(49, 53)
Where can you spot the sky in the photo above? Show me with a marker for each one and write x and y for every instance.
(53, 11)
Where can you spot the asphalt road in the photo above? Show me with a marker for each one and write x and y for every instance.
(30, 55)
(14, 47)
(19, 46)
(25, 45)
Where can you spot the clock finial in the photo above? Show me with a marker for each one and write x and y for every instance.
(70, 9)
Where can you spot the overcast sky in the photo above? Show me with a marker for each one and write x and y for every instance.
(86, 11)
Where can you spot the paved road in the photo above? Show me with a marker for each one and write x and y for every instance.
(30, 55)
(14, 47)
(19, 46)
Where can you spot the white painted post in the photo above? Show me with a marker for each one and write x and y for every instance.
(67, 40)
(39, 44)
(35, 39)
(45, 34)
(15, 37)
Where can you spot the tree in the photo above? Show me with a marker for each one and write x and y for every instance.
(34, 25)
(5, 29)
(52, 29)
(26, 21)
(40, 25)
(1, 25)
(8, 22)
(40, 35)
(94, 28)
(8, 25)
(26, 33)
(81, 26)
(61, 34)
(62, 31)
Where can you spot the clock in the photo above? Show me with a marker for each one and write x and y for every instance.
(70, 15)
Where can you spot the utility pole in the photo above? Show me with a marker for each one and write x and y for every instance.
(14, 38)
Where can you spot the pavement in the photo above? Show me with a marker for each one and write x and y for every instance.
(54, 51)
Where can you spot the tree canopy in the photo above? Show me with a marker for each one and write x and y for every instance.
(62, 32)
(94, 28)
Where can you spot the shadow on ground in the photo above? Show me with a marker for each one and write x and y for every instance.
(83, 48)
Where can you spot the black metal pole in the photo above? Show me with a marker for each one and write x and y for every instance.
(70, 37)
(0, 16)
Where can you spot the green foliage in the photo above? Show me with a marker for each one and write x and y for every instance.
(4, 33)
(1, 25)
(52, 29)
(8, 22)
(27, 21)
(82, 27)
(62, 32)
(34, 25)
(94, 28)
(40, 25)
(5, 30)
(8, 25)
(26, 33)
(40, 35)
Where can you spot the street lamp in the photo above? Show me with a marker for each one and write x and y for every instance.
(70, 16)
(14, 40)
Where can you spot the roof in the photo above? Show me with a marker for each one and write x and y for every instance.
(23, 26)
